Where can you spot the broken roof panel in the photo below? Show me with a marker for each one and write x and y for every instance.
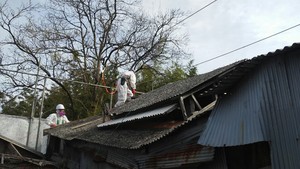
(13, 153)
(151, 113)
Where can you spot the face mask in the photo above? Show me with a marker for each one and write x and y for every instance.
(61, 112)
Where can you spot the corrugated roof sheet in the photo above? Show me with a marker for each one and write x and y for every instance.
(170, 91)
(18, 145)
(13, 153)
(151, 113)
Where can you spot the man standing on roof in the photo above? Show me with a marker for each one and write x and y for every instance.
(57, 118)
(125, 87)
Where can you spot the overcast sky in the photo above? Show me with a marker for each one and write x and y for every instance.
(227, 25)
(230, 24)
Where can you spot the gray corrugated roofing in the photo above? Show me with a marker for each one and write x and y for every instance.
(170, 91)
(151, 113)
(263, 107)
(117, 137)
(25, 148)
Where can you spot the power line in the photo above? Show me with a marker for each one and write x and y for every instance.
(242, 47)
(74, 81)
(1, 69)
(194, 13)
(219, 56)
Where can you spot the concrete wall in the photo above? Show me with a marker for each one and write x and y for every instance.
(16, 128)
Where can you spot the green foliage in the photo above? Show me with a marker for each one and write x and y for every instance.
(146, 79)
(21, 105)
(192, 70)
(150, 80)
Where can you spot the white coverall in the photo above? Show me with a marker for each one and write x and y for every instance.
(55, 119)
(124, 92)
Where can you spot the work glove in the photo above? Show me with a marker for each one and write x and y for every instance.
(133, 91)
(53, 125)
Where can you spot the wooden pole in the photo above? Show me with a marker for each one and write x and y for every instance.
(33, 105)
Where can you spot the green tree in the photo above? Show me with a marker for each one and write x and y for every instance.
(150, 79)
(20, 105)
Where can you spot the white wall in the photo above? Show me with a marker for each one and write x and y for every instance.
(16, 128)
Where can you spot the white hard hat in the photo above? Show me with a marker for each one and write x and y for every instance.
(60, 107)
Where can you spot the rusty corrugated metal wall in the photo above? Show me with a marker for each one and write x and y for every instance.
(263, 107)
(182, 155)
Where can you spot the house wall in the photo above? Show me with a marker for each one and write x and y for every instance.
(250, 156)
(16, 129)
(83, 155)
(262, 107)
(179, 149)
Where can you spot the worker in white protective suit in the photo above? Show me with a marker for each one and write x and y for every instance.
(125, 87)
(57, 118)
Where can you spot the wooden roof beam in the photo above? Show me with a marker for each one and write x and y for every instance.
(183, 110)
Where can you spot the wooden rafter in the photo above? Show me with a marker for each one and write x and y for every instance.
(13, 148)
(183, 110)
(196, 102)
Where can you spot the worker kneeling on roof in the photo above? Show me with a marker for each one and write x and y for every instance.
(125, 87)
(57, 118)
